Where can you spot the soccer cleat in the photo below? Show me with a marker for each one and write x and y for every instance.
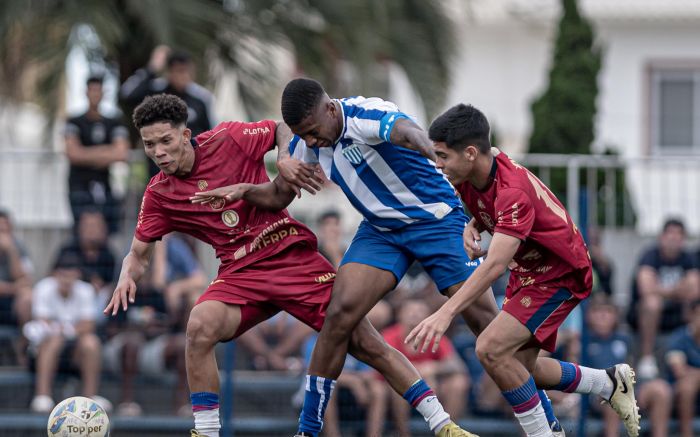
(557, 430)
(622, 399)
(195, 433)
(302, 434)
(452, 430)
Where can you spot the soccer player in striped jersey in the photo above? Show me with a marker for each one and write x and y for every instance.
(384, 163)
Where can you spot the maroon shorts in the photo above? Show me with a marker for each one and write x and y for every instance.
(297, 280)
(542, 309)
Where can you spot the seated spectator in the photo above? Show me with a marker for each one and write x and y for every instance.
(602, 264)
(667, 280)
(62, 333)
(93, 143)
(443, 369)
(15, 277)
(275, 344)
(683, 358)
(607, 346)
(97, 264)
(184, 280)
(330, 237)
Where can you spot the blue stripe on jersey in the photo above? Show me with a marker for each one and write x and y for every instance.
(358, 112)
(388, 223)
(380, 190)
(418, 174)
(293, 144)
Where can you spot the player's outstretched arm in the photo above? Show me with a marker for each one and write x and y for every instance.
(298, 174)
(274, 196)
(133, 267)
(430, 330)
(407, 134)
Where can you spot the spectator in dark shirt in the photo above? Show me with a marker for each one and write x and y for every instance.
(666, 282)
(177, 80)
(15, 279)
(683, 358)
(93, 143)
(330, 237)
(602, 264)
(607, 346)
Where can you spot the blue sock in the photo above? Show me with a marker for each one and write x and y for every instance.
(548, 411)
(318, 393)
(204, 401)
(417, 392)
(523, 398)
(570, 377)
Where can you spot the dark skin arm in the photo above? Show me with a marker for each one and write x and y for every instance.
(274, 196)
(406, 133)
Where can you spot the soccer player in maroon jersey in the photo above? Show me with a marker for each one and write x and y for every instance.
(269, 261)
(551, 273)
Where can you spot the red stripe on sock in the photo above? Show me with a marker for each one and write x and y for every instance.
(527, 405)
(421, 397)
(577, 379)
(204, 407)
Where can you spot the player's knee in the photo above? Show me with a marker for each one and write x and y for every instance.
(200, 333)
(370, 350)
(487, 352)
(340, 319)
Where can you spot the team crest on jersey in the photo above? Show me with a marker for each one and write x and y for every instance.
(488, 221)
(353, 154)
(230, 218)
(526, 301)
(202, 184)
(481, 204)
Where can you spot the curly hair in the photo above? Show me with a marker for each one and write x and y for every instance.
(299, 99)
(160, 108)
(461, 126)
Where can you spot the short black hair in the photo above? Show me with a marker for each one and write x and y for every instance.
(299, 98)
(674, 221)
(94, 79)
(461, 126)
(329, 214)
(178, 57)
(67, 259)
(160, 108)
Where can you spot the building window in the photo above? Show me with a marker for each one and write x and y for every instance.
(675, 111)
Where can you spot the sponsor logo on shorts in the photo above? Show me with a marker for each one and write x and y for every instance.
(239, 253)
(230, 218)
(505, 301)
(325, 277)
(474, 263)
(526, 301)
(532, 255)
(543, 269)
(527, 280)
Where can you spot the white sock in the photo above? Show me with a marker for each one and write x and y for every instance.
(595, 381)
(534, 422)
(207, 422)
(433, 413)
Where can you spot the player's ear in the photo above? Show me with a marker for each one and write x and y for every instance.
(187, 135)
(471, 152)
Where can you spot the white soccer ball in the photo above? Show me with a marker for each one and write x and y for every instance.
(78, 417)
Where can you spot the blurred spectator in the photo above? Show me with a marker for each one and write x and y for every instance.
(667, 280)
(602, 264)
(62, 333)
(89, 246)
(683, 358)
(275, 344)
(183, 279)
(330, 237)
(178, 80)
(606, 347)
(93, 142)
(443, 369)
(15, 277)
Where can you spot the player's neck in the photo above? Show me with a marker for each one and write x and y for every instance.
(185, 168)
(481, 176)
(339, 118)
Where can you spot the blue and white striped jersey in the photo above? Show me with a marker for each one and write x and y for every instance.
(390, 185)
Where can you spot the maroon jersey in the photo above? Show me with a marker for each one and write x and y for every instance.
(231, 153)
(517, 203)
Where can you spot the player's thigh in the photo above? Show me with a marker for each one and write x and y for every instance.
(379, 250)
(214, 320)
(357, 289)
(438, 246)
(479, 314)
(503, 337)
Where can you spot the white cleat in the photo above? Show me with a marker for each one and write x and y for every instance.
(559, 432)
(622, 400)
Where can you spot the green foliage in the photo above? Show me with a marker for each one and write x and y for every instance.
(564, 115)
(342, 43)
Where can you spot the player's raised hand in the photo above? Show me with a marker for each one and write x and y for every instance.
(471, 237)
(230, 193)
(300, 175)
(429, 331)
(126, 290)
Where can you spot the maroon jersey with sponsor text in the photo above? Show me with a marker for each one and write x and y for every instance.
(517, 203)
(241, 234)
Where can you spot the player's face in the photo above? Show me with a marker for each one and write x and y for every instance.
(321, 128)
(166, 145)
(456, 164)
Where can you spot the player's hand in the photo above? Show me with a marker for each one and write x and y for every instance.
(159, 57)
(429, 331)
(471, 237)
(126, 289)
(299, 174)
(230, 193)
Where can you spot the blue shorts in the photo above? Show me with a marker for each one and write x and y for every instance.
(436, 244)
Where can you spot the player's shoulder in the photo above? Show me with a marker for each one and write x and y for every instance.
(157, 184)
(367, 107)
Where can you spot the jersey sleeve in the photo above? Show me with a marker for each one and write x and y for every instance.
(299, 150)
(374, 126)
(515, 213)
(255, 139)
(152, 221)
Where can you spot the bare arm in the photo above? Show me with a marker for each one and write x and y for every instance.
(100, 156)
(296, 173)
(133, 267)
(274, 196)
(407, 134)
